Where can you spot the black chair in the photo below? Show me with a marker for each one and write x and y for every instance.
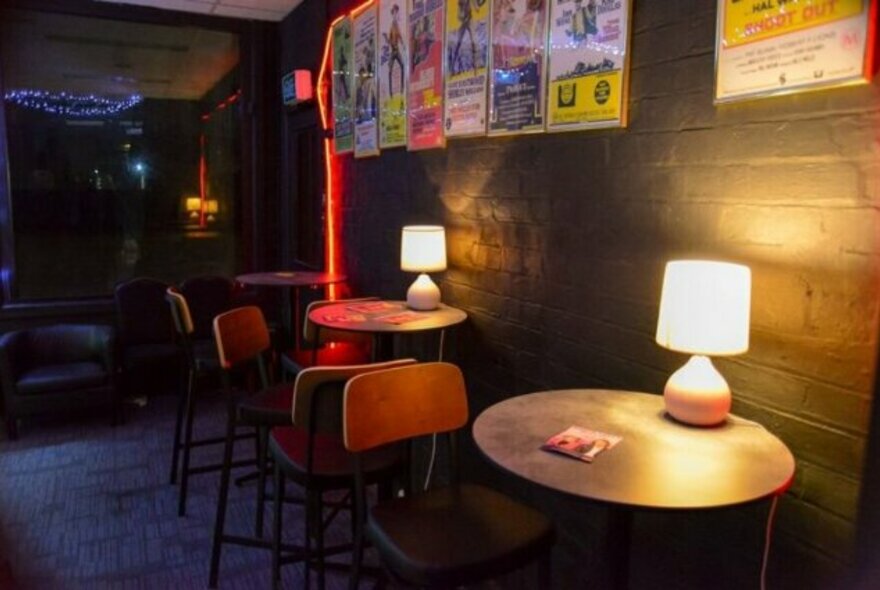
(57, 368)
(448, 536)
(312, 454)
(208, 297)
(146, 335)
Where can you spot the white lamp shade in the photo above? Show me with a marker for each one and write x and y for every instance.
(705, 307)
(423, 248)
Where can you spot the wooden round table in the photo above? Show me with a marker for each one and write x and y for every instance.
(659, 464)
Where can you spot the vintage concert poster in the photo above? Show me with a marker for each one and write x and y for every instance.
(392, 73)
(467, 67)
(768, 47)
(425, 84)
(517, 62)
(343, 94)
(587, 64)
(366, 99)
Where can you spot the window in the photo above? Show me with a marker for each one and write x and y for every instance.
(124, 152)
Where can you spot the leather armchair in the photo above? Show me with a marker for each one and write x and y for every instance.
(57, 368)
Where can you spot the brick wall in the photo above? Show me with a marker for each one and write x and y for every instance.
(557, 245)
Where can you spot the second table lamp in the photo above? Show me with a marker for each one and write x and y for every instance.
(423, 250)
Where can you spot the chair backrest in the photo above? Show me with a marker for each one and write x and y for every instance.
(179, 312)
(67, 343)
(387, 406)
(142, 313)
(311, 332)
(208, 297)
(318, 391)
(241, 335)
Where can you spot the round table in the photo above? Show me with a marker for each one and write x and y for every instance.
(287, 280)
(659, 464)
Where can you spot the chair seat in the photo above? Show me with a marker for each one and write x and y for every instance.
(449, 536)
(205, 354)
(331, 459)
(270, 407)
(138, 355)
(67, 376)
(335, 354)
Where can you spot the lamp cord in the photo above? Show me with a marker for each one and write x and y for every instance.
(434, 437)
(767, 539)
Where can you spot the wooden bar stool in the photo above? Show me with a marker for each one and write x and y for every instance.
(446, 537)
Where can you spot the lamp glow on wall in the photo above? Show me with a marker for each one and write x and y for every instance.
(423, 250)
(704, 310)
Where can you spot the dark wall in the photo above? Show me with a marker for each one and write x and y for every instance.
(557, 245)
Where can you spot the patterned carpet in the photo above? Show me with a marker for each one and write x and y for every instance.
(86, 505)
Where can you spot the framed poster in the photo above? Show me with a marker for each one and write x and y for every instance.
(517, 66)
(366, 99)
(343, 97)
(424, 102)
(392, 73)
(467, 67)
(588, 64)
(781, 46)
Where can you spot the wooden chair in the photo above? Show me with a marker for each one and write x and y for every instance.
(313, 455)
(446, 537)
(328, 347)
(242, 339)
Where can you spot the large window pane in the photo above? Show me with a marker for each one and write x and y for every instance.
(124, 151)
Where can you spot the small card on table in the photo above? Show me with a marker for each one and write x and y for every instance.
(401, 318)
(581, 443)
(344, 318)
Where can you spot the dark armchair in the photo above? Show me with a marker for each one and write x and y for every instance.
(57, 368)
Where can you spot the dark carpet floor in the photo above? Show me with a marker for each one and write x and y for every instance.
(87, 505)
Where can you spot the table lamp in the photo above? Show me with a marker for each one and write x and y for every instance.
(212, 207)
(423, 250)
(193, 206)
(704, 310)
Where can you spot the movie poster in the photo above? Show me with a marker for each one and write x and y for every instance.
(425, 90)
(781, 46)
(467, 67)
(343, 97)
(392, 73)
(587, 64)
(366, 99)
(518, 56)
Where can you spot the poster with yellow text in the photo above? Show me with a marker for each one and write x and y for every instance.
(393, 45)
(343, 97)
(467, 57)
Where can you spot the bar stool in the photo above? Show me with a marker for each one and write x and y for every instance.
(313, 455)
(242, 339)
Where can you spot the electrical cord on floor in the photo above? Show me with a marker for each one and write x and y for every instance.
(767, 538)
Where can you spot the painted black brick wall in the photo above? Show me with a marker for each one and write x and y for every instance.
(557, 245)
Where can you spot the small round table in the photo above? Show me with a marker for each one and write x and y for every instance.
(288, 280)
(659, 464)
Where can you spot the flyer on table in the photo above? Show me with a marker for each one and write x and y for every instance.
(587, 63)
(518, 59)
(769, 47)
(392, 73)
(425, 90)
(366, 100)
(343, 97)
(467, 56)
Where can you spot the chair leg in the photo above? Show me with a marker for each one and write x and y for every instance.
(262, 444)
(278, 496)
(12, 428)
(357, 553)
(319, 536)
(181, 405)
(223, 496)
(308, 539)
(186, 446)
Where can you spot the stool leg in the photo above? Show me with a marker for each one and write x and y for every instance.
(181, 404)
(308, 540)
(319, 537)
(276, 525)
(223, 496)
(262, 443)
(187, 446)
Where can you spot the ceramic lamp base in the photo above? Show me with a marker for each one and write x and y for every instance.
(423, 294)
(697, 393)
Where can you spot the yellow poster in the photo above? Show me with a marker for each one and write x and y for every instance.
(594, 98)
(392, 79)
(751, 20)
(467, 58)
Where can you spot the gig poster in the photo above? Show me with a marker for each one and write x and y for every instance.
(588, 64)
(343, 95)
(467, 67)
(392, 73)
(517, 62)
(768, 47)
(366, 99)
(425, 89)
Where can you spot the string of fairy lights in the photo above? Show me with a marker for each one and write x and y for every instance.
(71, 105)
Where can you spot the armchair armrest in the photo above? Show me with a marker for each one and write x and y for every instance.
(105, 345)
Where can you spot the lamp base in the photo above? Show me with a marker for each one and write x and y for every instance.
(423, 294)
(697, 393)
